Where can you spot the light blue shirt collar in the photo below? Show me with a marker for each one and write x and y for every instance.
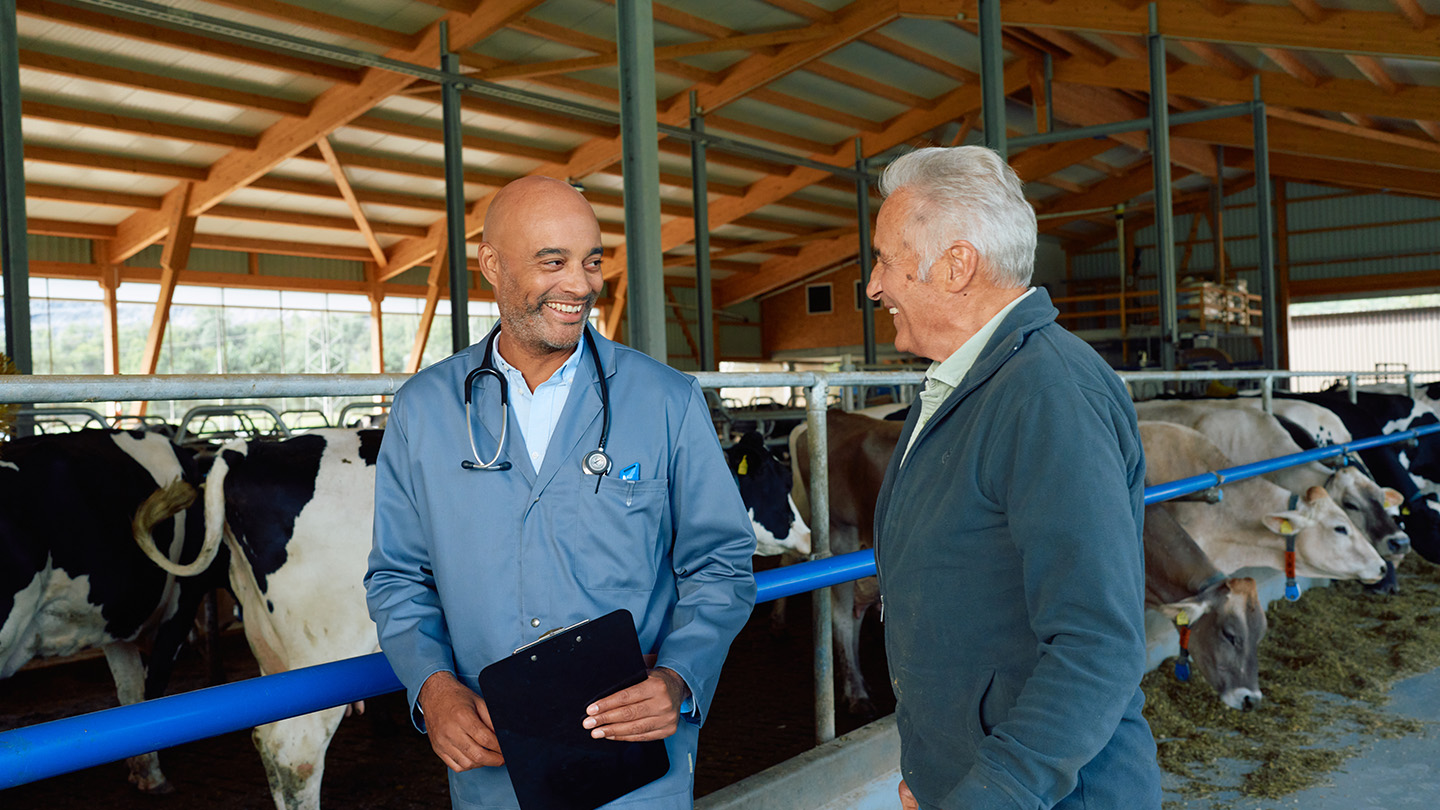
(539, 411)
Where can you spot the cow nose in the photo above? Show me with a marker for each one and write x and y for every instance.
(1398, 543)
(1250, 702)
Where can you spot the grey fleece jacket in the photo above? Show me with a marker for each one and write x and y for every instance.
(1012, 573)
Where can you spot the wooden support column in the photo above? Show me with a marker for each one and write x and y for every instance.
(377, 321)
(432, 300)
(610, 324)
(109, 281)
(173, 261)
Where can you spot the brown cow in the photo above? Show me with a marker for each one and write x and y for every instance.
(859, 451)
(1226, 618)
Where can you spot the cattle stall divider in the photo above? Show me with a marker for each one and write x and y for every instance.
(40, 751)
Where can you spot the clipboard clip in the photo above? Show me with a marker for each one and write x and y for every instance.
(548, 634)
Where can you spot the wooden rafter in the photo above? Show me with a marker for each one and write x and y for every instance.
(744, 42)
(125, 77)
(684, 323)
(332, 109)
(189, 41)
(1220, 58)
(1372, 69)
(1344, 174)
(1357, 144)
(1085, 106)
(924, 59)
(432, 302)
(1412, 11)
(1312, 12)
(173, 260)
(343, 183)
(1076, 45)
(855, 21)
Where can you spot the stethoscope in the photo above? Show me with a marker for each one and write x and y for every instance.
(596, 462)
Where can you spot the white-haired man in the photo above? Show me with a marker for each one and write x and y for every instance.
(1008, 527)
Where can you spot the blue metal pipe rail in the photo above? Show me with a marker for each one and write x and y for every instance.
(49, 749)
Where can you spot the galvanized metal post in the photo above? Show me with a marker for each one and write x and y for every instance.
(992, 77)
(867, 258)
(1164, 216)
(1353, 387)
(1267, 394)
(1410, 384)
(815, 399)
(455, 199)
(1264, 219)
(640, 164)
(704, 294)
(14, 254)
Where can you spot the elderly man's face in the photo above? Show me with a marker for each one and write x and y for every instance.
(547, 269)
(895, 282)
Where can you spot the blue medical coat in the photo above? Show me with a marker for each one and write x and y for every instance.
(468, 565)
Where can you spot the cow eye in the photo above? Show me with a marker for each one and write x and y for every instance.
(1230, 637)
(1352, 507)
(1342, 530)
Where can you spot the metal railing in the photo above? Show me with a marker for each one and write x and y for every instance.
(48, 749)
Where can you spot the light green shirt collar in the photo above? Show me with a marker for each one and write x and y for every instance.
(944, 376)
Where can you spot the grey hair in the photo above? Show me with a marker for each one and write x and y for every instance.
(969, 193)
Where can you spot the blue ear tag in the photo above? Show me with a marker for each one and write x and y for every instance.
(1182, 670)
(1292, 592)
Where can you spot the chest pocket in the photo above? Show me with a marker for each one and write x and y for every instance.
(616, 543)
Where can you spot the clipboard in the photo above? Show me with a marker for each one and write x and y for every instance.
(537, 700)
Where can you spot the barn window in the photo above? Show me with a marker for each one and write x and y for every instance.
(818, 300)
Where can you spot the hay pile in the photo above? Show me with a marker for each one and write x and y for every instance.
(1326, 668)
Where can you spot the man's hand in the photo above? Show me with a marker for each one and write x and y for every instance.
(907, 799)
(458, 724)
(649, 710)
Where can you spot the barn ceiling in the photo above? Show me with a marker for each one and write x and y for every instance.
(139, 134)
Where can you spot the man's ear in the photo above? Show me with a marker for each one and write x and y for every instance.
(489, 262)
(959, 265)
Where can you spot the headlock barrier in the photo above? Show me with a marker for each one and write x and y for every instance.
(49, 749)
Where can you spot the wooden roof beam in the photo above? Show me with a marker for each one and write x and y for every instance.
(332, 109)
(1411, 10)
(745, 42)
(1337, 95)
(1076, 46)
(854, 21)
(1312, 12)
(343, 184)
(1255, 24)
(188, 41)
(1372, 69)
(1343, 174)
(124, 77)
(928, 61)
(1219, 58)
(1086, 106)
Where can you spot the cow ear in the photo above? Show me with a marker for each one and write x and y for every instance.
(1286, 523)
(1314, 494)
(1393, 498)
(1194, 608)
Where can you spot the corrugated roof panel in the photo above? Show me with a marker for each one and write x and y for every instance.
(96, 179)
(841, 97)
(156, 58)
(942, 40)
(404, 16)
(335, 269)
(780, 119)
(883, 66)
(58, 249)
(75, 212)
(741, 15)
(279, 231)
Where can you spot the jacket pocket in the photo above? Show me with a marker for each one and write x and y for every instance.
(991, 704)
(617, 543)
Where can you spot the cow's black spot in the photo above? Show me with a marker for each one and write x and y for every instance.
(265, 491)
(370, 445)
(765, 486)
(270, 606)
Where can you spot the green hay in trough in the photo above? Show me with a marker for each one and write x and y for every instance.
(1326, 668)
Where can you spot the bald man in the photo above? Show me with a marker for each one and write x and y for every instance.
(495, 522)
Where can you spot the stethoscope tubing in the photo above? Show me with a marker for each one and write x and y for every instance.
(596, 461)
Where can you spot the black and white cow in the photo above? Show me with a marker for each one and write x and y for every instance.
(70, 576)
(765, 485)
(1418, 513)
(296, 516)
(1396, 412)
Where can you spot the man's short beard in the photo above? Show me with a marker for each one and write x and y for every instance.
(524, 329)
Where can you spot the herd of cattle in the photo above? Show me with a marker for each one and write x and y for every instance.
(111, 539)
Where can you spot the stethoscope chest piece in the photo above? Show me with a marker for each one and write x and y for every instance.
(596, 462)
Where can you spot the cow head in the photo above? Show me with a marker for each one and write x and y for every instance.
(764, 485)
(1366, 504)
(1327, 544)
(1227, 622)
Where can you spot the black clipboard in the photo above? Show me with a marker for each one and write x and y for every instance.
(537, 700)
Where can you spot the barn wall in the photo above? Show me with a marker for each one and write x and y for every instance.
(788, 328)
(1356, 341)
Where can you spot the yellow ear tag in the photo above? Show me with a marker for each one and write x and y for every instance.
(744, 465)
(1182, 618)
(1286, 528)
